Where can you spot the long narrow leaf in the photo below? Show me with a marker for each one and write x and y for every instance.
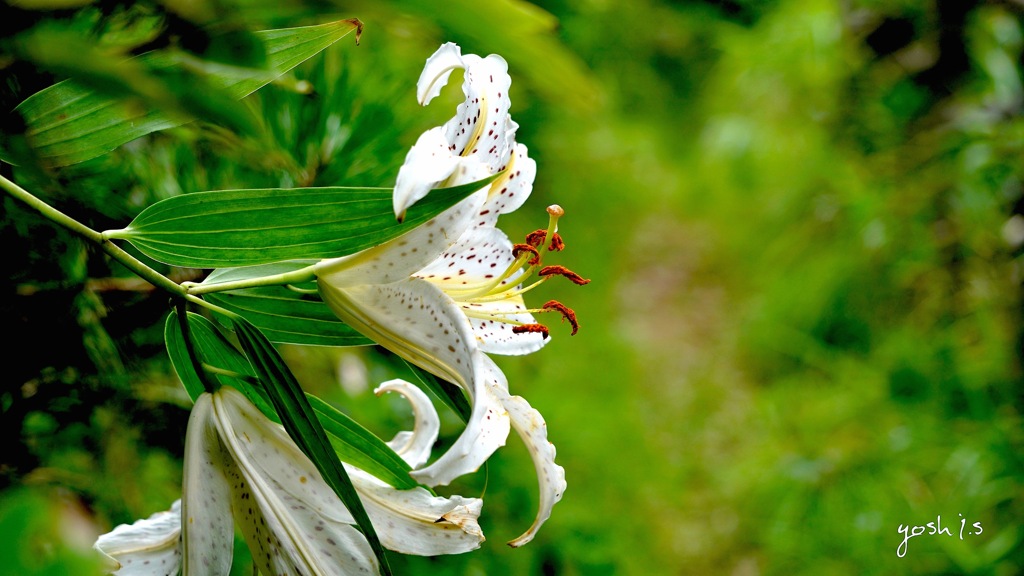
(227, 228)
(376, 457)
(68, 123)
(300, 420)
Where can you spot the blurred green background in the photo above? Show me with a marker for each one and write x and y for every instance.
(803, 221)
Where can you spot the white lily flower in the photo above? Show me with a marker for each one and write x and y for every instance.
(445, 317)
(448, 292)
(240, 465)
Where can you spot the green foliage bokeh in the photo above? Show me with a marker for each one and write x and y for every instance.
(802, 219)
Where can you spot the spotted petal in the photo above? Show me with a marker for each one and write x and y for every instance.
(416, 320)
(485, 432)
(530, 426)
(413, 319)
(149, 547)
(428, 163)
(511, 189)
(207, 528)
(289, 516)
(408, 521)
(481, 125)
(417, 522)
(480, 137)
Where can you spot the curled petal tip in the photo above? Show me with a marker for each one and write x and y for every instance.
(437, 70)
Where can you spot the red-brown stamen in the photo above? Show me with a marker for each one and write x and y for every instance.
(557, 245)
(563, 271)
(567, 313)
(518, 249)
(537, 237)
(531, 328)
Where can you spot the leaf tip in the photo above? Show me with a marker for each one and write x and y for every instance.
(358, 24)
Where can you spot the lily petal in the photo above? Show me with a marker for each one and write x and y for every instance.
(207, 527)
(512, 188)
(481, 126)
(416, 320)
(417, 522)
(485, 432)
(148, 547)
(497, 337)
(414, 447)
(480, 137)
(282, 477)
(480, 256)
(262, 449)
(280, 499)
(533, 430)
(428, 163)
(412, 318)
(437, 70)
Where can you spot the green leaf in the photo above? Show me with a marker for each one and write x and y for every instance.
(284, 315)
(449, 393)
(302, 425)
(353, 443)
(213, 349)
(69, 123)
(174, 339)
(367, 451)
(157, 81)
(228, 228)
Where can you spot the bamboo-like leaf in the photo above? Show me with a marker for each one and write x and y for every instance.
(284, 315)
(302, 425)
(228, 228)
(374, 456)
(68, 123)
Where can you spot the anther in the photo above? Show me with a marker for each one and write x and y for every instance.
(518, 249)
(531, 329)
(537, 237)
(557, 245)
(563, 271)
(567, 313)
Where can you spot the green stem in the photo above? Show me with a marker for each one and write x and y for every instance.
(116, 252)
(294, 277)
(187, 291)
(231, 373)
(49, 211)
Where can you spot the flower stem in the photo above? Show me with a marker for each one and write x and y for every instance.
(294, 277)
